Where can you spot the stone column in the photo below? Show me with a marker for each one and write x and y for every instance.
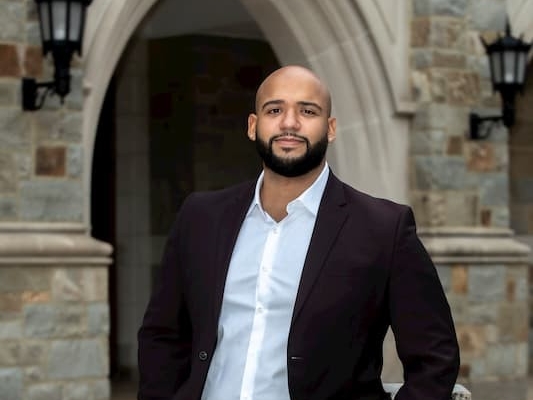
(54, 315)
(485, 276)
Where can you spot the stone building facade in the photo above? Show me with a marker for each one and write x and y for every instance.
(404, 76)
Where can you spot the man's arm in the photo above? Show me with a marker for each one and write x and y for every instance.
(421, 320)
(165, 334)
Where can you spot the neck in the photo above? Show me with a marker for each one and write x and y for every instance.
(277, 191)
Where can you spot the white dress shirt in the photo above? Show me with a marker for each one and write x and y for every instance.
(250, 360)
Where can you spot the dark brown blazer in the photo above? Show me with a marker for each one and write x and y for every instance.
(365, 269)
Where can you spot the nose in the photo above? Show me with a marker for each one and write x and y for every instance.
(290, 120)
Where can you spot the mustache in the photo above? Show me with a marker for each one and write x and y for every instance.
(288, 134)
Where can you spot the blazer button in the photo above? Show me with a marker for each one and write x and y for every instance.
(202, 355)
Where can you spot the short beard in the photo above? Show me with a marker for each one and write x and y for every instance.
(292, 167)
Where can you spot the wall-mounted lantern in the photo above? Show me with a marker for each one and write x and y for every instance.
(508, 64)
(62, 23)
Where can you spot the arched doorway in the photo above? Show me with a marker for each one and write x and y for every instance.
(350, 46)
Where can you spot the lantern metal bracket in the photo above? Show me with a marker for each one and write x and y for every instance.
(31, 100)
(476, 122)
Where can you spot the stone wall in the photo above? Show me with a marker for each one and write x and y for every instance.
(54, 315)
(460, 193)
(40, 153)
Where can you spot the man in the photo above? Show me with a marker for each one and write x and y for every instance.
(284, 288)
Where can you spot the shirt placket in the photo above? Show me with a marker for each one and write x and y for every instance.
(264, 279)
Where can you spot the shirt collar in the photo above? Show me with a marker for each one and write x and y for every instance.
(310, 198)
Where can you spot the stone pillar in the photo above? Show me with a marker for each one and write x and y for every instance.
(485, 276)
(54, 315)
(459, 190)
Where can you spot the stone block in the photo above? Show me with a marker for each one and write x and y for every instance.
(487, 283)
(459, 279)
(426, 142)
(455, 8)
(10, 352)
(9, 61)
(10, 329)
(54, 320)
(441, 172)
(50, 161)
(421, 59)
(33, 33)
(51, 201)
(8, 174)
(33, 61)
(11, 382)
(483, 313)
(513, 322)
(462, 88)
(496, 217)
(13, 279)
(98, 319)
(77, 359)
(420, 87)
(12, 21)
(74, 161)
(33, 374)
(74, 100)
(10, 303)
(9, 93)
(84, 284)
(420, 30)
(472, 340)
(62, 126)
(77, 391)
(101, 389)
(481, 157)
(24, 163)
(8, 208)
(44, 391)
(517, 284)
(15, 133)
(487, 15)
(449, 59)
(493, 189)
(461, 208)
(33, 352)
(429, 208)
(455, 146)
(448, 34)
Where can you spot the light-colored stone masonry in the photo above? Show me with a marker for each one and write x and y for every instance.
(54, 314)
(460, 193)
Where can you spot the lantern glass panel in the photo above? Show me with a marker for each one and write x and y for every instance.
(45, 20)
(509, 62)
(75, 21)
(521, 67)
(59, 17)
(495, 61)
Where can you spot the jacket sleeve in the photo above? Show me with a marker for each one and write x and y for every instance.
(164, 338)
(421, 319)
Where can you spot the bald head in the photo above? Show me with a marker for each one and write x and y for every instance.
(292, 75)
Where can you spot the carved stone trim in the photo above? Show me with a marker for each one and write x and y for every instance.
(476, 245)
(54, 247)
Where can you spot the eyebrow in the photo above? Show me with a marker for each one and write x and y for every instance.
(301, 103)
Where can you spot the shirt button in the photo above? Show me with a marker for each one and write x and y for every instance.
(259, 309)
(202, 355)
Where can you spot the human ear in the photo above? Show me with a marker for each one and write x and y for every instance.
(252, 123)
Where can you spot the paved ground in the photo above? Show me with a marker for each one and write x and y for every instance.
(126, 390)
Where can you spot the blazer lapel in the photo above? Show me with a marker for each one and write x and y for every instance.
(232, 217)
(330, 218)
